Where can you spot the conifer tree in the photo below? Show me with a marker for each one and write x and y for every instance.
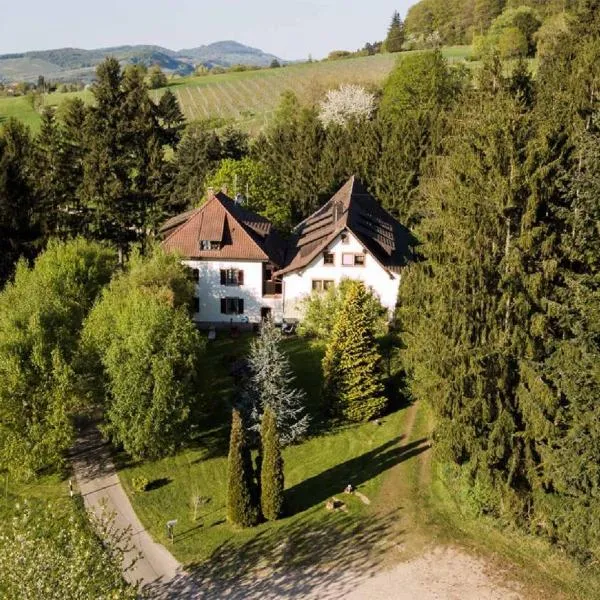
(19, 207)
(271, 385)
(351, 367)
(170, 118)
(271, 473)
(395, 37)
(242, 501)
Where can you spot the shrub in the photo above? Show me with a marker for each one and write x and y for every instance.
(321, 311)
(139, 484)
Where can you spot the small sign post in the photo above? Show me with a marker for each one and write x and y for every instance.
(170, 526)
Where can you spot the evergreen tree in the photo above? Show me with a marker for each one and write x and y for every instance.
(170, 118)
(242, 505)
(271, 472)
(19, 209)
(395, 37)
(270, 385)
(72, 115)
(351, 366)
(123, 158)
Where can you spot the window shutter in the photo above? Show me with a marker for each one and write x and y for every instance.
(240, 277)
(223, 277)
(240, 306)
(223, 305)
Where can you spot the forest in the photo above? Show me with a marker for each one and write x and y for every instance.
(495, 170)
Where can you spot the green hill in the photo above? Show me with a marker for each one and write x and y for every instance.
(69, 64)
(250, 97)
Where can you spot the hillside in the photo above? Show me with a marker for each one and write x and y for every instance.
(250, 97)
(63, 64)
(457, 21)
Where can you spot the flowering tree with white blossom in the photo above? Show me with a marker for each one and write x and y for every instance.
(349, 101)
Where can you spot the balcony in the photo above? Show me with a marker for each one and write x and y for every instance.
(272, 288)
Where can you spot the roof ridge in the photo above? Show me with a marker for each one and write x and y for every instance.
(242, 225)
(197, 211)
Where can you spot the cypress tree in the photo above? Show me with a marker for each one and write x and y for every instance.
(351, 366)
(242, 503)
(271, 473)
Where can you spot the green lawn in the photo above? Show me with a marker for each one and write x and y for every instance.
(314, 470)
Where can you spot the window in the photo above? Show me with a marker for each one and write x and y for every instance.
(196, 304)
(196, 274)
(320, 285)
(353, 260)
(232, 306)
(232, 277)
(209, 245)
(328, 258)
(345, 238)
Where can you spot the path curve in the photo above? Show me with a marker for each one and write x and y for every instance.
(99, 483)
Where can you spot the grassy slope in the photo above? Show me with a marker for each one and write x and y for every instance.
(315, 470)
(249, 97)
(440, 515)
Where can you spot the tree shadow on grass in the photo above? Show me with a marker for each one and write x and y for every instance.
(316, 558)
(356, 471)
(155, 484)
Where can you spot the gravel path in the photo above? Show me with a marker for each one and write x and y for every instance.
(99, 485)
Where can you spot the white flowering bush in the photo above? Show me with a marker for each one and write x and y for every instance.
(348, 101)
(50, 551)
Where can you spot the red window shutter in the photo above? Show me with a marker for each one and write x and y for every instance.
(240, 306)
(223, 277)
(240, 276)
(223, 305)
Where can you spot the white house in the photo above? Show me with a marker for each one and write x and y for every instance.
(245, 272)
(234, 254)
(351, 236)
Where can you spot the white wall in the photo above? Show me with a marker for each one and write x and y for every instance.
(298, 285)
(210, 291)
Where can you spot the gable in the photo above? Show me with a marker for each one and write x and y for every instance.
(228, 231)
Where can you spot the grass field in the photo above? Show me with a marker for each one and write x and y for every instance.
(314, 471)
(249, 98)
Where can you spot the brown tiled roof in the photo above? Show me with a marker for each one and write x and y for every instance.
(351, 208)
(242, 234)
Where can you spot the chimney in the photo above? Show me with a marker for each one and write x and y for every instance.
(210, 193)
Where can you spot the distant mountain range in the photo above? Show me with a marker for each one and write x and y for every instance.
(69, 64)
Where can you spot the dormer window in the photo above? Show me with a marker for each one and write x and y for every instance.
(209, 245)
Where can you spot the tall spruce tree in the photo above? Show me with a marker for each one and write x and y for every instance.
(395, 36)
(271, 471)
(20, 232)
(271, 385)
(124, 158)
(353, 386)
(242, 501)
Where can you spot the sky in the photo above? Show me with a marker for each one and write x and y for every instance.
(288, 29)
